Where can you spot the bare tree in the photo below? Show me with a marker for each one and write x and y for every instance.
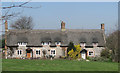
(23, 23)
(20, 5)
(7, 15)
(112, 44)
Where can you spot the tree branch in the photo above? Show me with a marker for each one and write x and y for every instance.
(15, 5)
(21, 5)
(6, 17)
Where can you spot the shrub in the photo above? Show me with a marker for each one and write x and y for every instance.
(105, 53)
(70, 47)
(78, 49)
(63, 57)
(75, 54)
(72, 54)
(101, 59)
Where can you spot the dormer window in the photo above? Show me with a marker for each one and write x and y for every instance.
(42, 43)
(82, 44)
(19, 43)
(45, 43)
(22, 43)
(58, 43)
(49, 43)
(95, 44)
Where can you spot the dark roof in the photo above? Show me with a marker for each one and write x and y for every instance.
(35, 37)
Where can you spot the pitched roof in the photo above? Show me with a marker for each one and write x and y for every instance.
(35, 37)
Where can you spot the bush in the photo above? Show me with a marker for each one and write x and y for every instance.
(2, 43)
(63, 57)
(105, 53)
(75, 54)
(101, 59)
(70, 47)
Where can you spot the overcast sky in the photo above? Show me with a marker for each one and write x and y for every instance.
(76, 15)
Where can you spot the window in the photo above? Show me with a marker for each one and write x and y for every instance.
(45, 43)
(58, 43)
(49, 43)
(42, 43)
(19, 52)
(37, 52)
(90, 53)
(95, 44)
(52, 52)
(22, 43)
(82, 44)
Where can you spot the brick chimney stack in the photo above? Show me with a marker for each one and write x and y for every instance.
(102, 26)
(6, 29)
(6, 26)
(63, 26)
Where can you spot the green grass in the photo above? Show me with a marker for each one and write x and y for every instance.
(56, 65)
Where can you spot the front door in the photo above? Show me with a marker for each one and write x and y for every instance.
(83, 55)
(29, 52)
(28, 55)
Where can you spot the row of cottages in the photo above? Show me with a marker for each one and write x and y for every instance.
(40, 43)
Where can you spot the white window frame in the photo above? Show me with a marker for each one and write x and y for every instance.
(42, 43)
(95, 44)
(22, 43)
(46, 43)
(82, 44)
(49, 43)
(19, 52)
(57, 43)
(89, 53)
(52, 50)
(39, 51)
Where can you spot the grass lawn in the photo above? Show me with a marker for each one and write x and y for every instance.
(56, 65)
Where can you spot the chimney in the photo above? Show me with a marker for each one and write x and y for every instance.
(6, 29)
(6, 26)
(63, 26)
(102, 26)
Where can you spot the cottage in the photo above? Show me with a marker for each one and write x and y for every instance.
(44, 43)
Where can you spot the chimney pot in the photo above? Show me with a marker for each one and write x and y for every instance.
(6, 25)
(62, 26)
(6, 29)
(103, 26)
